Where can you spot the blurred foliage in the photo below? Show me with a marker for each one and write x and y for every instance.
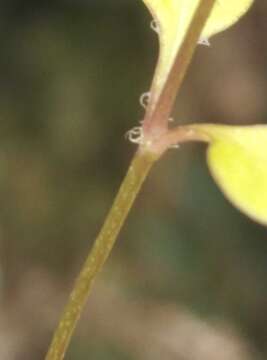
(71, 75)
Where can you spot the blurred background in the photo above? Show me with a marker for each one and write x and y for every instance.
(187, 279)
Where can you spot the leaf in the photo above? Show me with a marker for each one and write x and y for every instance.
(173, 18)
(237, 159)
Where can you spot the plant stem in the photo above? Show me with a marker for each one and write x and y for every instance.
(156, 121)
(138, 170)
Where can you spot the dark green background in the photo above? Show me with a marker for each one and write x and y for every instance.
(187, 279)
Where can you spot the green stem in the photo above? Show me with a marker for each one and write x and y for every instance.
(102, 247)
(158, 117)
(129, 189)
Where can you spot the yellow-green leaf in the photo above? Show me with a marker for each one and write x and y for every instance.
(173, 18)
(237, 158)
